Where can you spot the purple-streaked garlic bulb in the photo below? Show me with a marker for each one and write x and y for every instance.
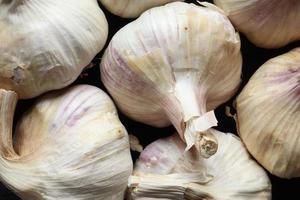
(45, 44)
(132, 8)
(165, 170)
(268, 115)
(174, 65)
(70, 145)
(266, 23)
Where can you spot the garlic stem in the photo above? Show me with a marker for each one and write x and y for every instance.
(8, 101)
(8, 168)
(196, 120)
(178, 186)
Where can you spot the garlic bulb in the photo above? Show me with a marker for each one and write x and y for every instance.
(70, 145)
(44, 45)
(174, 64)
(266, 23)
(131, 8)
(165, 171)
(268, 115)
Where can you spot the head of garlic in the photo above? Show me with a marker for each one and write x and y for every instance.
(165, 171)
(266, 23)
(132, 8)
(175, 64)
(46, 44)
(70, 145)
(268, 115)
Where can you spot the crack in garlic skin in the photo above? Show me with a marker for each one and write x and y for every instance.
(46, 44)
(268, 115)
(132, 8)
(266, 23)
(69, 145)
(156, 54)
(229, 174)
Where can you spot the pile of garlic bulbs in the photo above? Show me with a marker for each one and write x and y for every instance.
(178, 65)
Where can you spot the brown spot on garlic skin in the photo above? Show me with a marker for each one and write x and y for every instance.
(120, 133)
(19, 74)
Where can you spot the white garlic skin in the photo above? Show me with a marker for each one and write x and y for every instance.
(268, 115)
(71, 146)
(178, 45)
(46, 44)
(266, 23)
(132, 8)
(229, 174)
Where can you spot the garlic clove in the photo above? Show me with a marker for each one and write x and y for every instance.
(44, 45)
(70, 145)
(166, 171)
(268, 115)
(175, 64)
(132, 8)
(266, 23)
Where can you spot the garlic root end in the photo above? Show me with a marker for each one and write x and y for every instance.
(197, 133)
(206, 144)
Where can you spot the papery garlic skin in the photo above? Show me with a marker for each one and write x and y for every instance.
(268, 115)
(174, 64)
(132, 8)
(44, 45)
(165, 171)
(266, 23)
(70, 145)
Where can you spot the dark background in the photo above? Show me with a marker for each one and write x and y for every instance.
(253, 57)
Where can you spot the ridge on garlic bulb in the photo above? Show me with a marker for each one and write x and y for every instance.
(268, 115)
(165, 170)
(266, 23)
(132, 8)
(44, 45)
(175, 64)
(70, 145)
